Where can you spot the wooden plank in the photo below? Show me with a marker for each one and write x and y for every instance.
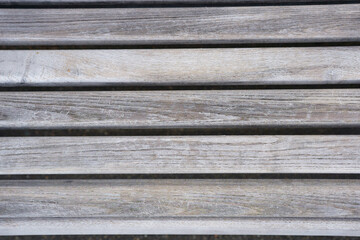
(154, 3)
(181, 198)
(178, 109)
(330, 65)
(129, 26)
(180, 154)
(241, 226)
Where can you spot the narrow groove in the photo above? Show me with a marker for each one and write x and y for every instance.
(186, 131)
(177, 237)
(181, 176)
(171, 4)
(168, 87)
(54, 45)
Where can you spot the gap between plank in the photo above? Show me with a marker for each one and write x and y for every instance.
(167, 87)
(156, 131)
(179, 44)
(166, 4)
(181, 176)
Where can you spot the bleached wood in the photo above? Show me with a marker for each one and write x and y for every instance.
(129, 26)
(179, 198)
(177, 109)
(327, 65)
(180, 154)
(243, 226)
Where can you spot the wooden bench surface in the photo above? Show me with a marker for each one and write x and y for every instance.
(180, 117)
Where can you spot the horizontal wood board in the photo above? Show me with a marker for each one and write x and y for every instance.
(177, 198)
(180, 154)
(220, 66)
(243, 226)
(177, 109)
(131, 26)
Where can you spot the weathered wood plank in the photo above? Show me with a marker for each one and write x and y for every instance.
(179, 198)
(154, 3)
(330, 65)
(243, 226)
(180, 154)
(129, 26)
(151, 109)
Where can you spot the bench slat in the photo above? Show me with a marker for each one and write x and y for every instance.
(180, 154)
(330, 65)
(243, 226)
(181, 198)
(178, 109)
(129, 26)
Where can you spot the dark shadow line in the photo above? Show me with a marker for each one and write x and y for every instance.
(176, 237)
(182, 176)
(167, 4)
(169, 86)
(277, 43)
(184, 131)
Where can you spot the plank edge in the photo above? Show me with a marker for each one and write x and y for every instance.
(244, 226)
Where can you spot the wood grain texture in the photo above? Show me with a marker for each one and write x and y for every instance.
(179, 198)
(154, 3)
(330, 65)
(129, 26)
(174, 109)
(180, 154)
(243, 226)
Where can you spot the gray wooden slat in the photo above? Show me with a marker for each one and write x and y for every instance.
(152, 3)
(180, 154)
(181, 198)
(330, 65)
(129, 26)
(243, 226)
(174, 109)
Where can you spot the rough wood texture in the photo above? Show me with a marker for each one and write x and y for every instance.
(178, 198)
(180, 154)
(152, 3)
(330, 65)
(149, 109)
(243, 226)
(316, 23)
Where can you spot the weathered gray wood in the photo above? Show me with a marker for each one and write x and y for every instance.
(149, 109)
(102, 26)
(328, 65)
(151, 3)
(243, 226)
(180, 154)
(181, 198)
